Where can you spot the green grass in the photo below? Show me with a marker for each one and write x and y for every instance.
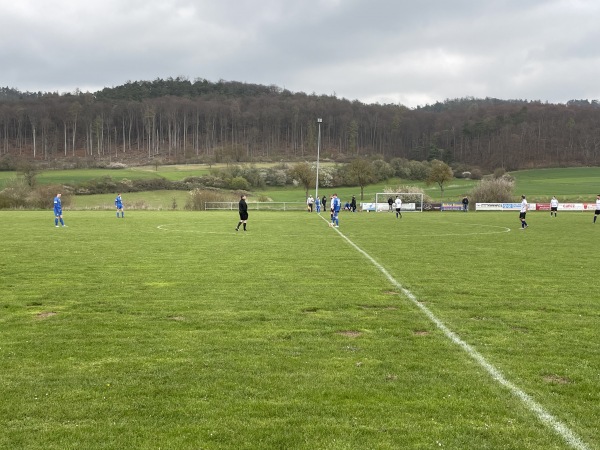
(170, 330)
(132, 200)
(569, 184)
(572, 184)
(178, 171)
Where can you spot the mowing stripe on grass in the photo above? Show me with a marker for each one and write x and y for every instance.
(548, 419)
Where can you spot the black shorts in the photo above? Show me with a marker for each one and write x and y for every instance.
(244, 215)
(398, 210)
(522, 215)
(597, 212)
(554, 208)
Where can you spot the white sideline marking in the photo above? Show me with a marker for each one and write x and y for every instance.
(548, 419)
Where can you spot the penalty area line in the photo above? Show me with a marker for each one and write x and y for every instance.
(544, 416)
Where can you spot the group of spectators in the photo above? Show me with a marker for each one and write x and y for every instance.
(315, 204)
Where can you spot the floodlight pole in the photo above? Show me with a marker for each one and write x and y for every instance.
(319, 121)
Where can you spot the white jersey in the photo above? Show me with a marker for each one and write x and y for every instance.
(524, 206)
(398, 203)
(554, 203)
(598, 204)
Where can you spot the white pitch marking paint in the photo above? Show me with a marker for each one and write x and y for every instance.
(544, 416)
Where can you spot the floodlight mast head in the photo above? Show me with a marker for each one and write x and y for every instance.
(319, 121)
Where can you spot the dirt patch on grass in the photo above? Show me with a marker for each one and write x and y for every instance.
(556, 379)
(350, 333)
(420, 332)
(45, 314)
(310, 310)
(177, 318)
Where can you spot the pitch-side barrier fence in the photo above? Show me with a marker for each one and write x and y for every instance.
(301, 206)
(535, 206)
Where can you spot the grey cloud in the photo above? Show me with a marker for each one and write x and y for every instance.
(402, 51)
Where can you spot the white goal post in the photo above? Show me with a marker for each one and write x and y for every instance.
(411, 201)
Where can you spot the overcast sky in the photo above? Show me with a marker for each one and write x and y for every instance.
(412, 52)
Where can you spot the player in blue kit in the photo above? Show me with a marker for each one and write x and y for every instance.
(119, 205)
(58, 211)
(336, 205)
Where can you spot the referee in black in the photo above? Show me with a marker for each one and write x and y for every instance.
(243, 208)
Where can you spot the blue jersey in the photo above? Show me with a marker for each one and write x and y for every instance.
(336, 204)
(118, 202)
(57, 205)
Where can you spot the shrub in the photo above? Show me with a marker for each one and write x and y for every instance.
(340, 176)
(476, 174)
(18, 194)
(276, 177)
(41, 197)
(14, 194)
(400, 166)
(8, 163)
(499, 172)
(508, 177)
(152, 184)
(493, 190)
(409, 189)
(254, 176)
(239, 183)
(382, 170)
(418, 170)
(213, 181)
(326, 177)
(116, 165)
(199, 197)
(102, 185)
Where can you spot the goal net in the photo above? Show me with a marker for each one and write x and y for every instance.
(411, 201)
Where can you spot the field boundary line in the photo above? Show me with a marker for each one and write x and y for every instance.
(544, 416)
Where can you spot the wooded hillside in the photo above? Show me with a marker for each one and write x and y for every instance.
(181, 120)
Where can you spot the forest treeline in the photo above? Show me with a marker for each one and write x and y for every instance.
(178, 120)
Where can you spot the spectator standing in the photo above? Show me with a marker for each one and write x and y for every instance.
(310, 202)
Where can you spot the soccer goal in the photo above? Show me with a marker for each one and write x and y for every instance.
(411, 201)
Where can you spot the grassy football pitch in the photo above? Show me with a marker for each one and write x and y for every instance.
(169, 330)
